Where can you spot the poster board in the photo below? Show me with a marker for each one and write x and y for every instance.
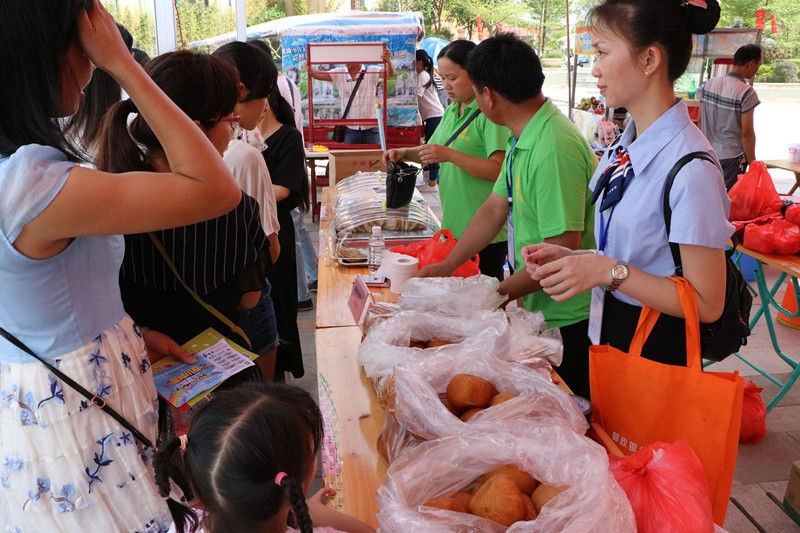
(399, 31)
(723, 42)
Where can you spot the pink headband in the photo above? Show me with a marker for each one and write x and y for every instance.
(279, 478)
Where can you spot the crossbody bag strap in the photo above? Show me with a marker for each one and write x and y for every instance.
(208, 307)
(674, 247)
(353, 94)
(469, 120)
(95, 399)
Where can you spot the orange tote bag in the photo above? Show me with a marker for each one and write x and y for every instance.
(639, 401)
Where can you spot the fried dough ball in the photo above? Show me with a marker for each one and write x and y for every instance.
(524, 481)
(500, 500)
(466, 391)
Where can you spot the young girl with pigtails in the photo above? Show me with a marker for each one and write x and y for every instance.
(248, 458)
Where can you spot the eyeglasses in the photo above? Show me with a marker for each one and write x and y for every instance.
(233, 120)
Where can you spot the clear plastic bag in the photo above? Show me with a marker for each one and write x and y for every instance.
(419, 382)
(387, 343)
(591, 502)
(452, 296)
(532, 344)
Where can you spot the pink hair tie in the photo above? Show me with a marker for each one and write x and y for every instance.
(184, 441)
(279, 478)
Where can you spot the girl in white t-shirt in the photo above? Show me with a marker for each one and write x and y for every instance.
(430, 108)
(248, 457)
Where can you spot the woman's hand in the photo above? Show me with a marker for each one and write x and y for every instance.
(160, 345)
(394, 155)
(434, 153)
(569, 275)
(100, 38)
(536, 255)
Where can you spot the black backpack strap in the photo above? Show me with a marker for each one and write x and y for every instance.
(353, 94)
(674, 248)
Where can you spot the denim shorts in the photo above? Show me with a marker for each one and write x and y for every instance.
(259, 323)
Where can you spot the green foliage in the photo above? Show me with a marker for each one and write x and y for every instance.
(787, 13)
(199, 21)
(259, 11)
(784, 72)
(140, 23)
(764, 73)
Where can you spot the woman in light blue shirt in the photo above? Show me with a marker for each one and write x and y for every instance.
(642, 47)
(65, 465)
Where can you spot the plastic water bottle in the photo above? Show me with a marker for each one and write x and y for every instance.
(376, 245)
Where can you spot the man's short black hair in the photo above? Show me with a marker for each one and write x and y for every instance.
(746, 54)
(507, 65)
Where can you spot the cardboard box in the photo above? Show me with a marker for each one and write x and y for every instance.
(791, 500)
(345, 163)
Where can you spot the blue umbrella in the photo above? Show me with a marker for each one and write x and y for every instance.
(433, 45)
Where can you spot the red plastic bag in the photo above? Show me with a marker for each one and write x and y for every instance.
(754, 414)
(778, 236)
(667, 487)
(754, 194)
(435, 250)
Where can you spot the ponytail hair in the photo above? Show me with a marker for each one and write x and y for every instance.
(168, 465)
(204, 87)
(248, 452)
(427, 64)
(297, 500)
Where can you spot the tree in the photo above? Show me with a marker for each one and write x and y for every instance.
(549, 18)
(492, 13)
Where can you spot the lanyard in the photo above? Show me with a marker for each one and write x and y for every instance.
(604, 226)
(510, 176)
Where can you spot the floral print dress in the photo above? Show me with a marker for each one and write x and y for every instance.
(65, 465)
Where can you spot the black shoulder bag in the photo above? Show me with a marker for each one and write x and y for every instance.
(725, 336)
(339, 131)
(402, 177)
(93, 398)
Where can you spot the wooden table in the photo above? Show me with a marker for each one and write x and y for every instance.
(785, 164)
(352, 415)
(788, 265)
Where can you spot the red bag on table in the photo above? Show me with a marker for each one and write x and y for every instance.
(666, 485)
(754, 414)
(754, 194)
(435, 250)
(778, 236)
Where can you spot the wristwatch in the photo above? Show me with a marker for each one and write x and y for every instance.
(619, 273)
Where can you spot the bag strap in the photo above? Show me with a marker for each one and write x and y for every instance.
(472, 117)
(93, 398)
(674, 247)
(210, 308)
(647, 320)
(353, 94)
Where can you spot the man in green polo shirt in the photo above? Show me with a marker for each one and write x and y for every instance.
(546, 172)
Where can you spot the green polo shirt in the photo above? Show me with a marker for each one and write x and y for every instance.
(552, 165)
(460, 193)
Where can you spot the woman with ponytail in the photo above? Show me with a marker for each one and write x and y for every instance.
(286, 161)
(430, 108)
(248, 458)
(642, 47)
(67, 465)
(224, 260)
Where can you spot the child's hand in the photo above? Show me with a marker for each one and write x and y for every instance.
(320, 498)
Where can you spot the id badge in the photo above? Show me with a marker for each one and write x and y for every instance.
(596, 314)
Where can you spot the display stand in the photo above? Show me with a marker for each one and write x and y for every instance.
(338, 53)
